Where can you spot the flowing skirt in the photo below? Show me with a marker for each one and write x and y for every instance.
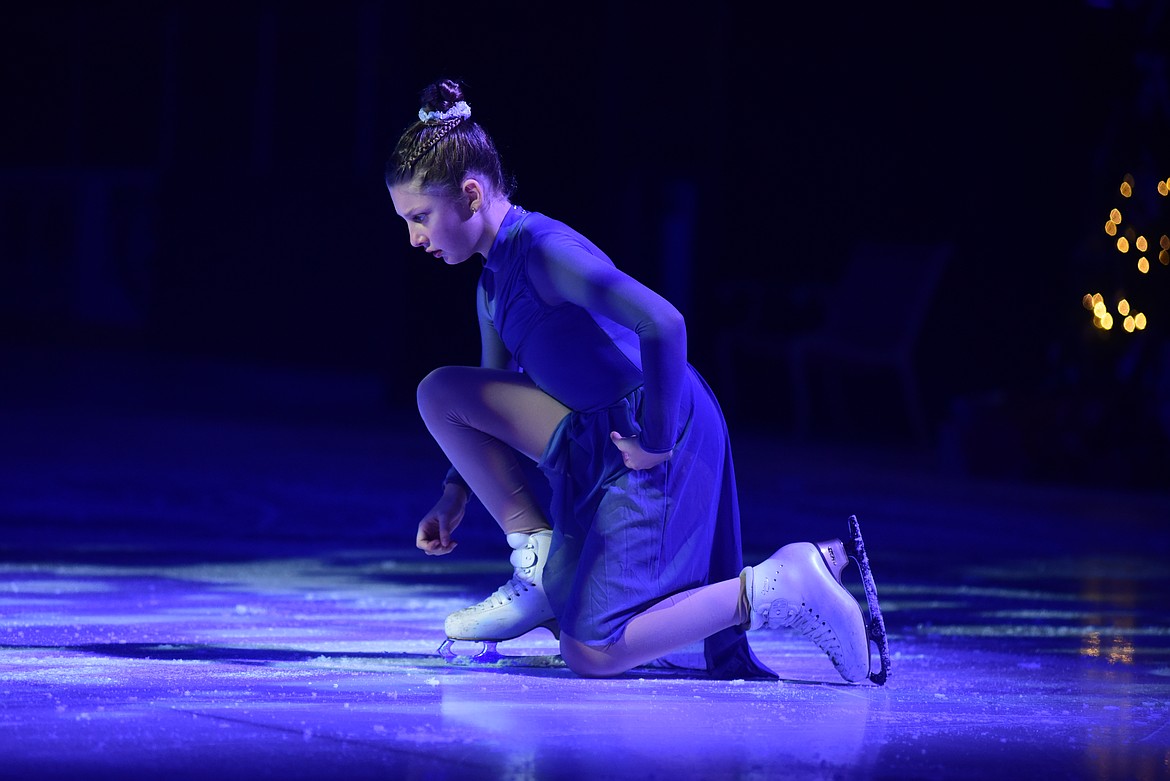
(624, 540)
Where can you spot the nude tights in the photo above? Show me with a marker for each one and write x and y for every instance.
(483, 419)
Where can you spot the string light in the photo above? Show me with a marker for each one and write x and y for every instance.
(1125, 237)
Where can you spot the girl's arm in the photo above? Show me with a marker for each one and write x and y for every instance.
(567, 272)
(493, 353)
(434, 530)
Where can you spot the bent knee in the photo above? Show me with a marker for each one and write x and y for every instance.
(590, 662)
(438, 381)
(434, 391)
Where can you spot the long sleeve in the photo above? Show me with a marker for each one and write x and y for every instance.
(566, 271)
(663, 343)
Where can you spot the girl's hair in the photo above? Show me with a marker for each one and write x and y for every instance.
(445, 146)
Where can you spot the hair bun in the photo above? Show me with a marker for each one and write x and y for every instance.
(440, 96)
(442, 102)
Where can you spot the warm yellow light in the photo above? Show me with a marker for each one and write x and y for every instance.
(1126, 189)
(1141, 244)
(1111, 227)
(1099, 309)
(1164, 257)
(1139, 321)
(1128, 324)
(1098, 298)
(1122, 650)
(1107, 321)
(1164, 242)
(1123, 307)
(1115, 217)
(1143, 265)
(1087, 302)
(1122, 244)
(1163, 188)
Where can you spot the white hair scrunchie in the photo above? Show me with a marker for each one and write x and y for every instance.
(459, 111)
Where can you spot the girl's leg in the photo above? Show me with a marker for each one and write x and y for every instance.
(674, 622)
(798, 587)
(482, 418)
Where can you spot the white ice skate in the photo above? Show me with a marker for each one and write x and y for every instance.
(800, 587)
(516, 608)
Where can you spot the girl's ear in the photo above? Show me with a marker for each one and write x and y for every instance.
(473, 194)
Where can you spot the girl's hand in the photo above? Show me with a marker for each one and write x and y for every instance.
(434, 530)
(633, 456)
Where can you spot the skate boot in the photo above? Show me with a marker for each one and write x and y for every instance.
(516, 608)
(800, 587)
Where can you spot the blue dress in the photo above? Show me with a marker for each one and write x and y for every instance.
(622, 539)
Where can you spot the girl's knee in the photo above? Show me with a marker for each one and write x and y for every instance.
(589, 662)
(437, 380)
(434, 391)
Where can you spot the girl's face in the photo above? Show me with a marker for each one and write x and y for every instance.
(437, 223)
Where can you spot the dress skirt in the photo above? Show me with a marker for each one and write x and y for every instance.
(624, 540)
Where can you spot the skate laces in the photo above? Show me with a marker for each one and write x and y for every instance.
(810, 625)
(505, 593)
(523, 560)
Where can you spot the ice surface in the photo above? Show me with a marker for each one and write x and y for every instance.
(199, 596)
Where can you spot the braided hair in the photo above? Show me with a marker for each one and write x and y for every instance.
(445, 146)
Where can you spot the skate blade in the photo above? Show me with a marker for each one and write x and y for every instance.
(487, 653)
(876, 626)
(489, 656)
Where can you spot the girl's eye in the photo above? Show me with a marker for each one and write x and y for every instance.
(420, 218)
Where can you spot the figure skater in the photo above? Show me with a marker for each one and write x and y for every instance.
(584, 371)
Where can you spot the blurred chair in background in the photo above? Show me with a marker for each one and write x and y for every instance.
(873, 322)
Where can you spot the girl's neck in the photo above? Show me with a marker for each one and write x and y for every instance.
(493, 217)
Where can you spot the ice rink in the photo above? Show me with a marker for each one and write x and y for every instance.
(207, 571)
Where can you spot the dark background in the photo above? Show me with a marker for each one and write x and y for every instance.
(204, 180)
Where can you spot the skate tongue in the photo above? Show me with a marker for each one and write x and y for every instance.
(525, 558)
(517, 540)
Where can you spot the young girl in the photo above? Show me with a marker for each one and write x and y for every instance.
(585, 371)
